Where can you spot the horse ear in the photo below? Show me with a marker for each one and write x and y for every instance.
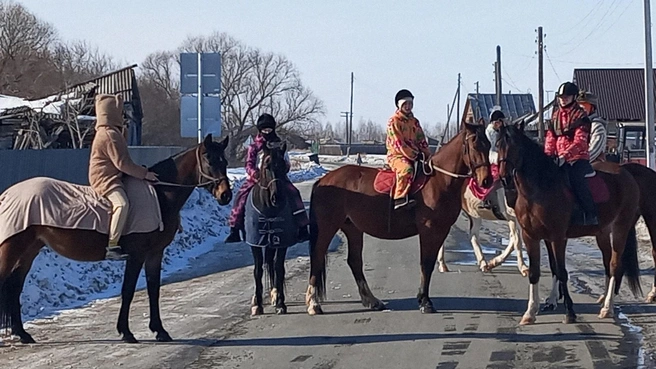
(471, 127)
(208, 141)
(521, 125)
(481, 122)
(284, 147)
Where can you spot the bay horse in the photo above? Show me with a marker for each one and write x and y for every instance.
(346, 199)
(544, 208)
(203, 165)
(476, 213)
(267, 214)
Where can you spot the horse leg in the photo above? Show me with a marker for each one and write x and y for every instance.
(474, 231)
(533, 251)
(551, 302)
(269, 267)
(558, 249)
(616, 272)
(355, 239)
(153, 281)
(256, 302)
(606, 248)
(651, 296)
(649, 216)
(281, 254)
(514, 244)
(132, 269)
(319, 243)
(430, 242)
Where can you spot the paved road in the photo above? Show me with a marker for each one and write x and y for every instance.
(206, 312)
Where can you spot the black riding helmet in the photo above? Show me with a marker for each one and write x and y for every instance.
(402, 94)
(266, 121)
(568, 89)
(497, 115)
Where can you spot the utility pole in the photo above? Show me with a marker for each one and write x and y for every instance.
(476, 87)
(540, 88)
(345, 115)
(458, 106)
(498, 76)
(649, 89)
(350, 137)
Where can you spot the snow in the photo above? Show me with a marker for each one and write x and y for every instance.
(56, 283)
(49, 105)
(367, 159)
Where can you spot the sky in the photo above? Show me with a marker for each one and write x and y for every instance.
(388, 45)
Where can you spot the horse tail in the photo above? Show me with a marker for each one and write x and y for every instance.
(320, 274)
(630, 265)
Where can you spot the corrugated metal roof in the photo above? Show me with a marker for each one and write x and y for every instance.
(620, 92)
(513, 106)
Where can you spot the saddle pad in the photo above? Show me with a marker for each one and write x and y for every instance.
(598, 188)
(480, 192)
(279, 230)
(51, 202)
(385, 180)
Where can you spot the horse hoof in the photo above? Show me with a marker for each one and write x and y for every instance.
(527, 319)
(443, 268)
(378, 306)
(548, 307)
(274, 297)
(650, 298)
(605, 313)
(524, 271)
(281, 310)
(257, 310)
(315, 310)
(427, 309)
(601, 299)
(129, 338)
(569, 319)
(25, 338)
(163, 337)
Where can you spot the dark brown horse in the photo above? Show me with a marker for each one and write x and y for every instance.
(544, 211)
(345, 199)
(201, 166)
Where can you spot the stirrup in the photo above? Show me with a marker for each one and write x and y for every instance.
(406, 202)
(115, 253)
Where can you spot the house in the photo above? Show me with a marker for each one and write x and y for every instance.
(480, 105)
(66, 119)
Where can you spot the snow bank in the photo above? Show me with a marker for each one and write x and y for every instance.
(57, 283)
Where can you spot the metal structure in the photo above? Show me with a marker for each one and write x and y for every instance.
(200, 89)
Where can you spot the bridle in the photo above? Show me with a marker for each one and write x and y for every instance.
(210, 180)
(432, 167)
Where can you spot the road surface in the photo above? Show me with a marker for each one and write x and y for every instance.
(206, 309)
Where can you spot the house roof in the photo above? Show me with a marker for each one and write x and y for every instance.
(512, 105)
(620, 92)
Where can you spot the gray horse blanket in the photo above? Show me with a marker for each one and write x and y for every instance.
(269, 231)
(55, 203)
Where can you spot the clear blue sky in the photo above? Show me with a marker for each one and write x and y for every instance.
(389, 45)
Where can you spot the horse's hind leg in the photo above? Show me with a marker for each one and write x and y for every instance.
(355, 239)
(514, 244)
(558, 248)
(551, 302)
(606, 248)
(153, 281)
(281, 254)
(132, 269)
(649, 217)
(270, 271)
(319, 243)
(256, 304)
(616, 272)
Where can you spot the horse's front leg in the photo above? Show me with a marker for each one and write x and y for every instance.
(132, 269)
(257, 307)
(281, 254)
(533, 251)
(430, 242)
(153, 281)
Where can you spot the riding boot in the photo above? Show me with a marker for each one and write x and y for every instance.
(303, 234)
(582, 192)
(233, 236)
(115, 253)
(403, 202)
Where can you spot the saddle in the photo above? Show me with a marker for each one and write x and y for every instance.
(598, 189)
(386, 180)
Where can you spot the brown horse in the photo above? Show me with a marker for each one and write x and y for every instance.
(201, 166)
(544, 210)
(345, 199)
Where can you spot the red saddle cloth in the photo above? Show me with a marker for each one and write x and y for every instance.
(598, 188)
(386, 178)
(480, 192)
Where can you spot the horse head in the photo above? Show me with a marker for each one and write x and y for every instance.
(212, 169)
(273, 172)
(476, 153)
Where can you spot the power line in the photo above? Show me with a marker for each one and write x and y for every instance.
(593, 29)
(583, 26)
(550, 63)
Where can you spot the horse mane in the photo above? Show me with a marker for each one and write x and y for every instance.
(536, 167)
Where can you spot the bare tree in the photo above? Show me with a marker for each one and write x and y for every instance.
(79, 61)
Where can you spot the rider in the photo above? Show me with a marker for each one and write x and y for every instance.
(109, 161)
(406, 144)
(567, 141)
(266, 126)
(598, 132)
(492, 132)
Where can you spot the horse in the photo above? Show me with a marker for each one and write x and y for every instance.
(270, 226)
(346, 199)
(203, 165)
(544, 208)
(474, 209)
